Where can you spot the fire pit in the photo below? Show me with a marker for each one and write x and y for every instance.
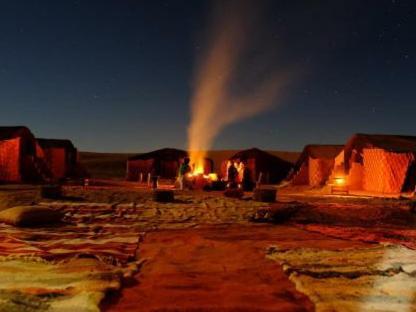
(201, 181)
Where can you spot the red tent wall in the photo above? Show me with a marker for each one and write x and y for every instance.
(135, 167)
(10, 157)
(169, 168)
(385, 172)
(57, 162)
(40, 153)
(319, 170)
(355, 176)
(314, 172)
(223, 170)
(302, 176)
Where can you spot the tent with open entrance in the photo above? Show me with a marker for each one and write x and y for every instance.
(379, 163)
(272, 168)
(61, 157)
(163, 162)
(315, 164)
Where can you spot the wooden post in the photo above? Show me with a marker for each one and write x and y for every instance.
(258, 183)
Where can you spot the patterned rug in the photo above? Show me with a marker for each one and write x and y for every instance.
(400, 236)
(70, 266)
(99, 231)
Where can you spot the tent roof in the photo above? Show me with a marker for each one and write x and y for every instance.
(392, 143)
(275, 167)
(323, 151)
(258, 154)
(55, 143)
(164, 153)
(318, 151)
(13, 132)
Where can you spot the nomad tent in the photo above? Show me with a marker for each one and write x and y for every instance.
(379, 163)
(18, 160)
(272, 168)
(315, 164)
(60, 156)
(164, 163)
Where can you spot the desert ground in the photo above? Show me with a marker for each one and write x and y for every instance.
(118, 250)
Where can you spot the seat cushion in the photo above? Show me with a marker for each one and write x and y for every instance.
(30, 216)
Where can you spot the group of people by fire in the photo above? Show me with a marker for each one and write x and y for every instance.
(237, 175)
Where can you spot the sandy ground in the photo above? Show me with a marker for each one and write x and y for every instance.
(203, 253)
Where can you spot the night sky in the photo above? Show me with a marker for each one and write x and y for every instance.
(117, 76)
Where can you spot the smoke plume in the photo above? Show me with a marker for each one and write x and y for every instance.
(233, 79)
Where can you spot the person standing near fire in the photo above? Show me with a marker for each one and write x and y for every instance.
(240, 169)
(232, 174)
(184, 170)
(247, 181)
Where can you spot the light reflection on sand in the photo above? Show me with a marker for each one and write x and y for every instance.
(379, 278)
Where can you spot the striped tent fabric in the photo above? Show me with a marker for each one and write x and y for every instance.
(355, 176)
(385, 172)
(319, 171)
(302, 175)
(10, 160)
(316, 164)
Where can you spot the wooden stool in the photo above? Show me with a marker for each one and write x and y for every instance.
(163, 196)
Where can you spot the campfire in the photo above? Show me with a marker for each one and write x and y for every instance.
(201, 180)
(201, 175)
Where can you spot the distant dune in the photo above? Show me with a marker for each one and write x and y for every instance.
(113, 165)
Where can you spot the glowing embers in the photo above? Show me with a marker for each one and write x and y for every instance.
(210, 176)
(202, 181)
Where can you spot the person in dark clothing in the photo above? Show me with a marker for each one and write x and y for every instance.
(184, 170)
(247, 182)
(232, 176)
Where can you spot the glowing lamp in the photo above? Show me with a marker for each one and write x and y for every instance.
(339, 180)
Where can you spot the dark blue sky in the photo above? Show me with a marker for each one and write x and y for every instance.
(117, 75)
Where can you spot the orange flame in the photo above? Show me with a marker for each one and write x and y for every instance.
(197, 162)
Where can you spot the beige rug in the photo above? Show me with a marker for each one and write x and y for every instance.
(382, 278)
